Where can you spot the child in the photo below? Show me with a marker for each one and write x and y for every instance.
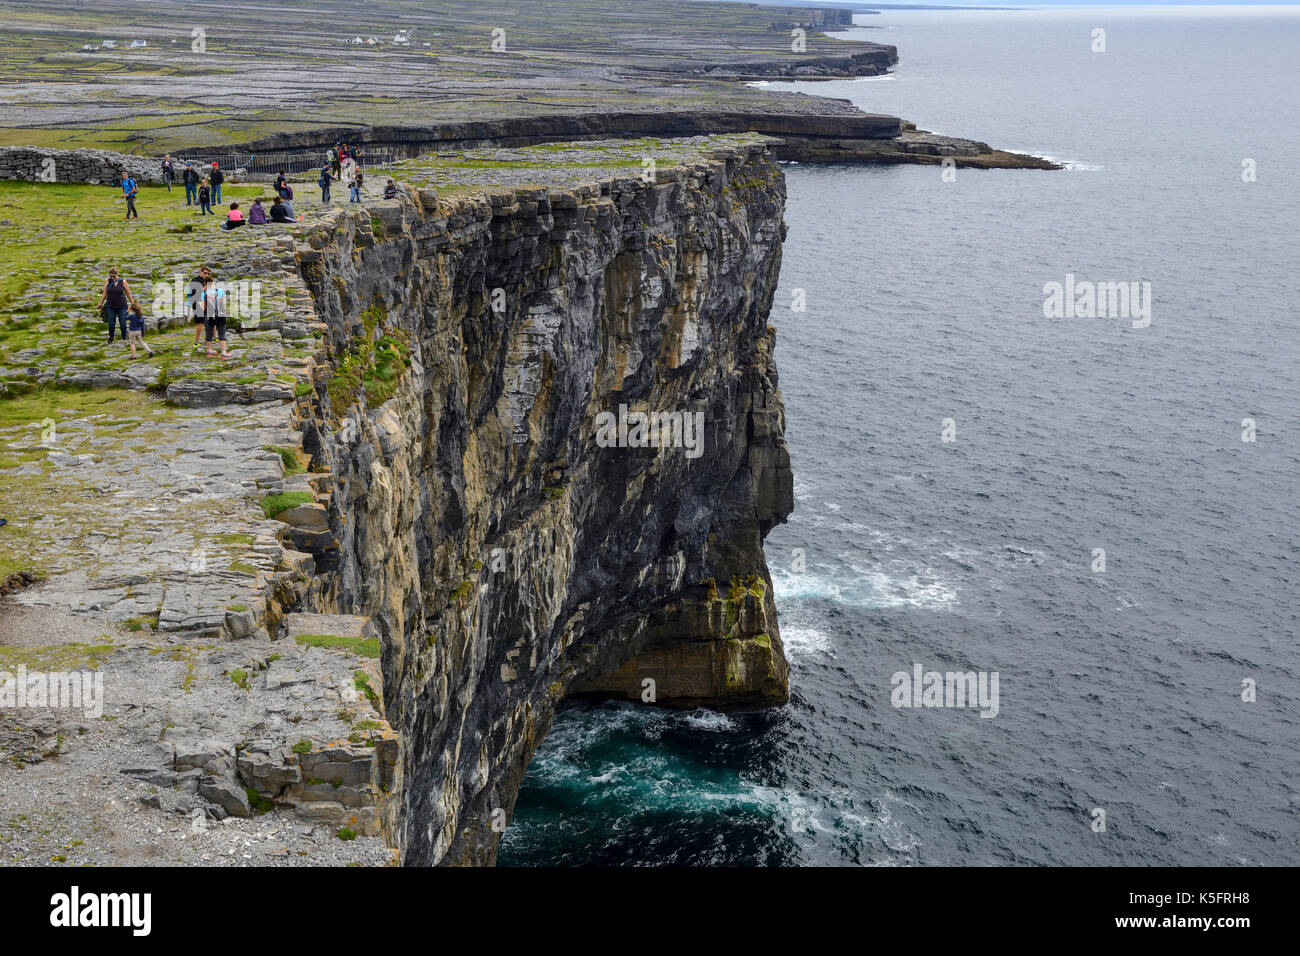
(135, 322)
(205, 199)
(234, 218)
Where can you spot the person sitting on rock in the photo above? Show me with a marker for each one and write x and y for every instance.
(390, 190)
(280, 212)
(234, 218)
(135, 321)
(256, 214)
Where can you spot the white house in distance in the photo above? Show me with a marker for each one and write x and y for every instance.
(110, 44)
(372, 41)
(89, 48)
(402, 38)
(138, 43)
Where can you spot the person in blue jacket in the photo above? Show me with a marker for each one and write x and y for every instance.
(129, 192)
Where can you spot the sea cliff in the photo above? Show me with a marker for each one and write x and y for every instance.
(505, 558)
(343, 582)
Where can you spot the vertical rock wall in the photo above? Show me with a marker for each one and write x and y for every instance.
(504, 556)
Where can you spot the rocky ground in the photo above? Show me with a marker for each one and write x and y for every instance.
(153, 508)
(67, 800)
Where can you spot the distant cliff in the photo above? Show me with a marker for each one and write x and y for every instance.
(836, 132)
(505, 556)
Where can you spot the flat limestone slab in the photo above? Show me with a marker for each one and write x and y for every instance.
(335, 625)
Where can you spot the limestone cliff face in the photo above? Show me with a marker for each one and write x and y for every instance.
(506, 557)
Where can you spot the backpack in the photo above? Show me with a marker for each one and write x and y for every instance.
(324, 179)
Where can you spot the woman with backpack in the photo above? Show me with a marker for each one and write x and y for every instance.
(115, 303)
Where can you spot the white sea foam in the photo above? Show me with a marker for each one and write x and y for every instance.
(804, 642)
(872, 588)
(708, 720)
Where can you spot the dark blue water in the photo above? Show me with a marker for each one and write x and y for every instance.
(1119, 691)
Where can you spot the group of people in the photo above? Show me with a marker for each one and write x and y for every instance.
(206, 302)
(203, 188)
(258, 215)
(343, 163)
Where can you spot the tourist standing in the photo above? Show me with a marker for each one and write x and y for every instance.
(282, 184)
(129, 192)
(114, 303)
(214, 317)
(335, 166)
(169, 171)
(356, 186)
(217, 177)
(198, 301)
(191, 178)
(325, 179)
(205, 199)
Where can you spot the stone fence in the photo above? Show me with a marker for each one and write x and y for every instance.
(95, 166)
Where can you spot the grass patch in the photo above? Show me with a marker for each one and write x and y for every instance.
(258, 803)
(272, 505)
(293, 465)
(361, 681)
(361, 646)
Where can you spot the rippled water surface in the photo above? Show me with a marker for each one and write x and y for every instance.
(1118, 690)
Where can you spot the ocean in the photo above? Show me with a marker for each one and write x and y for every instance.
(1148, 706)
